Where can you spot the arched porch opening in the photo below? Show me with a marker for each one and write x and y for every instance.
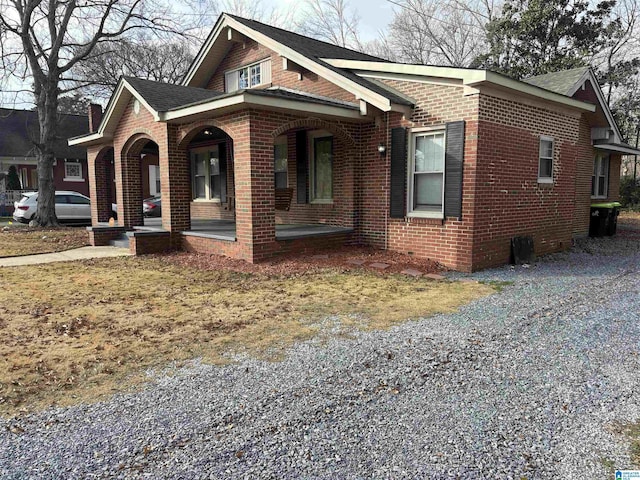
(103, 187)
(139, 172)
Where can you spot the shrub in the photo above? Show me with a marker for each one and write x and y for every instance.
(630, 192)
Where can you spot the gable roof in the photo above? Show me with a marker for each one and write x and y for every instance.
(303, 51)
(570, 81)
(560, 82)
(20, 128)
(168, 102)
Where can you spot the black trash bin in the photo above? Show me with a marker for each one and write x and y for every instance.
(604, 219)
(613, 219)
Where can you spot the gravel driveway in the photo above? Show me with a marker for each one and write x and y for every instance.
(522, 384)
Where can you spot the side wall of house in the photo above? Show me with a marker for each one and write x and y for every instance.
(449, 241)
(242, 54)
(510, 201)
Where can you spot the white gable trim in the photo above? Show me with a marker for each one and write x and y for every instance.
(118, 102)
(360, 92)
(590, 77)
(468, 77)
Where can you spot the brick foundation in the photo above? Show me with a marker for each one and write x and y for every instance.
(101, 236)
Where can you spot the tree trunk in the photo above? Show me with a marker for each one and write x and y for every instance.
(47, 106)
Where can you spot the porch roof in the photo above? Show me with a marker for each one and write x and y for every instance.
(177, 103)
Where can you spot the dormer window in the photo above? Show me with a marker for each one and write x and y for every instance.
(249, 76)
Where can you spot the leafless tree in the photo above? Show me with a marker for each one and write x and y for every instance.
(42, 41)
(331, 21)
(449, 32)
(137, 56)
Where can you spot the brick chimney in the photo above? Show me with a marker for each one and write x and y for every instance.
(95, 117)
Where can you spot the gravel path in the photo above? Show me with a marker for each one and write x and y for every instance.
(521, 384)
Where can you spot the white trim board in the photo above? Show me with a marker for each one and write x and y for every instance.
(468, 77)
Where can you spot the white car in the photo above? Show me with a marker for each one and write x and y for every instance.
(71, 207)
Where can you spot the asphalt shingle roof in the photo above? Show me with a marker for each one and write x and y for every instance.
(316, 50)
(167, 96)
(559, 82)
(19, 129)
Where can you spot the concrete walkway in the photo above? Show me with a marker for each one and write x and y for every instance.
(81, 253)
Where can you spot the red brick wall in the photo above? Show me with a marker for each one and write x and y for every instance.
(251, 51)
(447, 241)
(60, 184)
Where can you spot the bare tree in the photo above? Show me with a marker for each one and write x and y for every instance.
(331, 21)
(42, 41)
(138, 56)
(449, 32)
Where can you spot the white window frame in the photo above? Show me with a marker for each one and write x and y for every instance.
(418, 132)
(72, 178)
(282, 140)
(546, 138)
(597, 161)
(312, 194)
(233, 75)
(207, 174)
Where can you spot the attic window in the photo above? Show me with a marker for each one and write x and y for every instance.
(249, 76)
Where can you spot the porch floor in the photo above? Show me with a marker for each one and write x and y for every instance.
(226, 229)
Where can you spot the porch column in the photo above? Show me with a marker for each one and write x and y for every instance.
(97, 164)
(254, 190)
(129, 189)
(174, 183)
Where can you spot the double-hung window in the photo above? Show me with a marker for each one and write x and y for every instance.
(249, 76)
(545, 160)
(426, 174)
(206, 175)
(600, 176)
(280, 162)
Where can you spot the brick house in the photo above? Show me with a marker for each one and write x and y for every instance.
(19, 129)
(277, 142)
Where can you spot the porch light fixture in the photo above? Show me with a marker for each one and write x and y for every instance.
(207, 132)
(382, 150)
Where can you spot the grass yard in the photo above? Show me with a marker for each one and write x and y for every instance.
(18, 240)
(78, 331)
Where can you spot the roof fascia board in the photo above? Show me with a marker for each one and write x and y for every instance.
(468, 77)
(206, 46)
(261, 101)
(617, 148)
(88, 140)
(359, 91)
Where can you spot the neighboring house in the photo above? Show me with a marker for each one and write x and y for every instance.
(19, 130)
(272, 130)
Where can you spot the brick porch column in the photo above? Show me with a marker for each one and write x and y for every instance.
(254, 189)
(99, 183)
(129, 189)
(174, 183)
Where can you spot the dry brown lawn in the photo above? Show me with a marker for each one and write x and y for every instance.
(77, 331)
(17, 240)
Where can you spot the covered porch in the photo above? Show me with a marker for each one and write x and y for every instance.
(247, 181)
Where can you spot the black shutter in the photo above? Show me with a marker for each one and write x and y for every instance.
(301, 166)
(222, 153)
(398, 192)
(454, 158)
